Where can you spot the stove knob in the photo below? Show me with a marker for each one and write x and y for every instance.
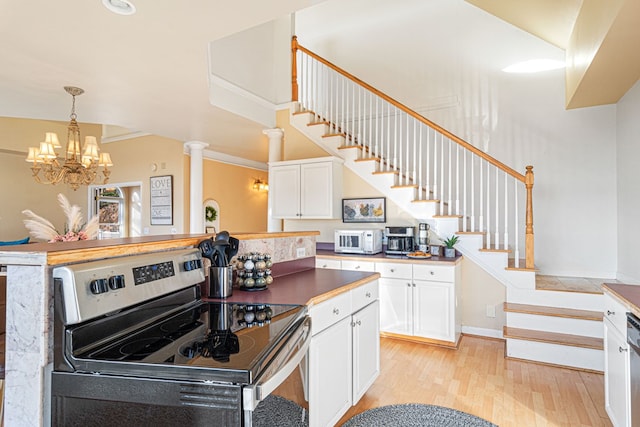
(194, 264)
(98, 286)
(116, 282)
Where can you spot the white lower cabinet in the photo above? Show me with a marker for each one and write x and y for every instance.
(344, 356)
(419, 300)
(617, 391)
(330, 372)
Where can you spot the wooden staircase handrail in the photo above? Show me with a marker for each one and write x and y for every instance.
(526, 179)
(294, 97)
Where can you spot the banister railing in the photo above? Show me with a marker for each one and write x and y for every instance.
(469, 182)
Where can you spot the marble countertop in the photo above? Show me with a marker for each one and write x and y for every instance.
(324, 253)
(629, 295)
(306, 287)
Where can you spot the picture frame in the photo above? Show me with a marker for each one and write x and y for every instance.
(161, 192)
(370, 209)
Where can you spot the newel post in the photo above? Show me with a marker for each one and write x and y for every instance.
(294, 69)
(528, 250)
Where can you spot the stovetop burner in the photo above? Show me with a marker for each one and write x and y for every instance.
(208, 335)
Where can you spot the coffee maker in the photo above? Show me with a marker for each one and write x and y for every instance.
(423, 237)
(400, 240)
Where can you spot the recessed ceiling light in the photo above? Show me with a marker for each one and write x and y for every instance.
(534, 66)
(121, 7)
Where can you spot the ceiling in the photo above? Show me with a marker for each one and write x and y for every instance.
(149, 72)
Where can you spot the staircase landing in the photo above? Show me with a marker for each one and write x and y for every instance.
(584, 285)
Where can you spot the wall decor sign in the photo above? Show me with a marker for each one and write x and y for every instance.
(162, 200)
(372, 209)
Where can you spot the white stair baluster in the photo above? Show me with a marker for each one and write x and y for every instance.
(450, 183)
(497, 231)
(458, 179)
(481, 198)
(436, 187)
(464, 191)
(516, 244)
(472, 218)
(420, 164)
(428, 168)
(488, 217)
(506, 211)
(415, 155)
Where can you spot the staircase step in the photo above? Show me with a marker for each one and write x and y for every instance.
(571, 284)
(521, 265)
(445, 216)
(552, 311)
(492, 248)
(553, 338)
(404, 186)
(428, 201)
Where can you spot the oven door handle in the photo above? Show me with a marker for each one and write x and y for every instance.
(253, 394)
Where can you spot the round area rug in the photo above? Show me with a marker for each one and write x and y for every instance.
(276, 411)
(415, 415)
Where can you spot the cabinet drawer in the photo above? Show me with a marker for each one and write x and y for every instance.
(616, 312)
(394, 270)
(329, 312)
(358, 265)
(438, 273)
(334, 264)
(364, 295)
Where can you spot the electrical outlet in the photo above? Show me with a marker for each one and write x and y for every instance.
(491, 311)
(174, 230)
(145, 230)
(301, 252)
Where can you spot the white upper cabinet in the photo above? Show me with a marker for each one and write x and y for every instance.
(306, 189)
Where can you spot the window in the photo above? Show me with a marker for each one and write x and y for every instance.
(110, 204)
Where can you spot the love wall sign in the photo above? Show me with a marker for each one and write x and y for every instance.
(162, 200)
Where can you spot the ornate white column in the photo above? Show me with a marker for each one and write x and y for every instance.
(276, 137)
(196, 217)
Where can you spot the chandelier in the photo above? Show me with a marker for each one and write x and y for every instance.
(81, 164)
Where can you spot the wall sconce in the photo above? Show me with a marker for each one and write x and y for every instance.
(260, 185)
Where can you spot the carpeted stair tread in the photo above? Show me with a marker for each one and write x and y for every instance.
(553, 338)
(552, 311)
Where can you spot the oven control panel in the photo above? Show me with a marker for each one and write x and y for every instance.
(149, 273)
(95, 288)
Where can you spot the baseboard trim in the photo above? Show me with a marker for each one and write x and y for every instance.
(482, 332)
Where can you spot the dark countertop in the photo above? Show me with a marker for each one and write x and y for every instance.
(629, 295)
(307, 287)
(387, 258)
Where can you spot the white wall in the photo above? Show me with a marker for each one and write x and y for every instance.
(628, 168)
(443, 58)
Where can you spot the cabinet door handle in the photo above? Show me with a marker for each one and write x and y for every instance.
(409, 284)
(393, 270)
(610, 313)
(414, 285)
(368, 294)
(357, 267)
(432, 273)
(336, 311)
(359, 323)
(324, 265)
(622, 350)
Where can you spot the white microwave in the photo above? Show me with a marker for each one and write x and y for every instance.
(358, 241)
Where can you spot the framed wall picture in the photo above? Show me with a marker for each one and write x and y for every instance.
(162, 200)
(372, 209)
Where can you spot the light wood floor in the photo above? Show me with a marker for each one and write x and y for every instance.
(477, 379)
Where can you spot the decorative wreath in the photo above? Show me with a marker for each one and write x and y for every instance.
(210, 214)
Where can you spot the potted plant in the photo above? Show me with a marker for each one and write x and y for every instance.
(449, 250)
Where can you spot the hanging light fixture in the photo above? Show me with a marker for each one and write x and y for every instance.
(81, 164)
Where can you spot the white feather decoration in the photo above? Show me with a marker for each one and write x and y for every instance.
(39, 227)
(72, 212)
(92, 227)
